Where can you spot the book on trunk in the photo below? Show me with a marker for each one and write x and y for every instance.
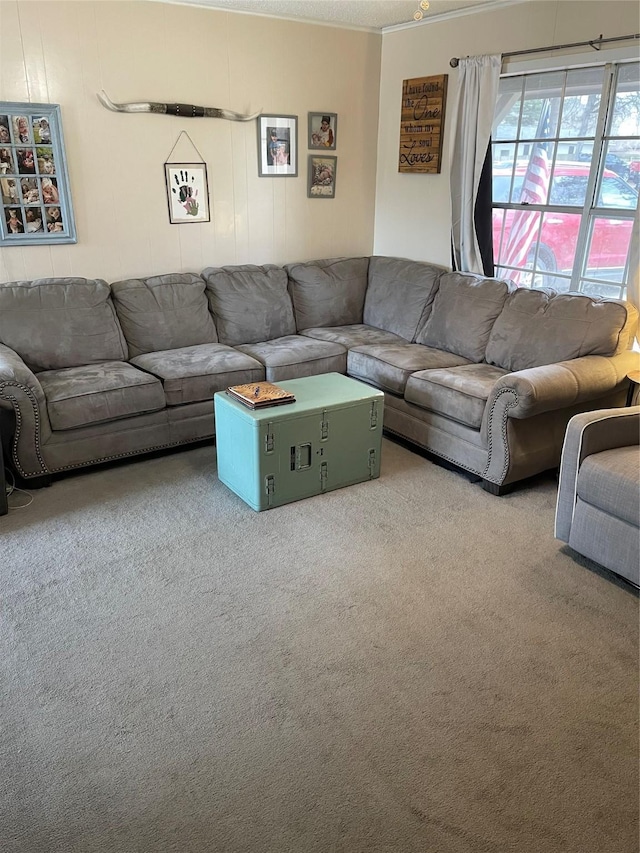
(259, 395)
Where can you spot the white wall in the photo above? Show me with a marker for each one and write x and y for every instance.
(65, 52)
(413, 211)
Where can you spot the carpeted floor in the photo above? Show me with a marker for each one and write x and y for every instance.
(409, 665)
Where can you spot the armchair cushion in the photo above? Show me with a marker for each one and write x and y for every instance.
(610, 481)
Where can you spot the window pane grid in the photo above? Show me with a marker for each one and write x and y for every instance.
(551, 127)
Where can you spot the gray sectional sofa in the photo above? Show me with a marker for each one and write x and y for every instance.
(480, 373)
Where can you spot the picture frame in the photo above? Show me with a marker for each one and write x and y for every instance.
(277, 146)
(322, 176)
(323, 131)
(35, 200)
(187, 192)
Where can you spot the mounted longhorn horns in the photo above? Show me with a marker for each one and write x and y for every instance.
(182, 110)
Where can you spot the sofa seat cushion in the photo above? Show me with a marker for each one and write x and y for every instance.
(249, 303)
(163, 312)
(54, 323)
(192, 374)
(357, 335)
(538, 327)
(460, 393)
(609, 481)
(388, 366)
(400, 294)
(328, 292)
(95, 393)
(464, 310)
(294, 356)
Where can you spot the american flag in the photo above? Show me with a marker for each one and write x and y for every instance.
(535, 187)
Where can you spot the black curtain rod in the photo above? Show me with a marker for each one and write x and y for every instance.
(595, 44)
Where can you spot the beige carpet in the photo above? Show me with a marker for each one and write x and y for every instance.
(404, 666)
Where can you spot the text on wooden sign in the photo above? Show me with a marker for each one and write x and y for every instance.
(422, 123)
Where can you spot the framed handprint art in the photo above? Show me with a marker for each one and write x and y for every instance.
(35, 202)
(187, 192)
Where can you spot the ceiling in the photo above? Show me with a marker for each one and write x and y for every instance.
(373, 15)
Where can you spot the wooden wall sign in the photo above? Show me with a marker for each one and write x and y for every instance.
(422, 123)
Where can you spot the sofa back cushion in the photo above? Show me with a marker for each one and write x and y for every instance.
(329, 292)
(464, 310)
(539, 327)
(54, 323)
(400, 294)
(249, 303)
(163, 312)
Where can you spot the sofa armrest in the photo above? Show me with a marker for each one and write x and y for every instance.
(13, 369)
(563, 388)
(589, 433)
(566, 383)
(21, 390)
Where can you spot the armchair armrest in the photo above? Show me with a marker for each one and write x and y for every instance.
(21, 390)
(588, 433)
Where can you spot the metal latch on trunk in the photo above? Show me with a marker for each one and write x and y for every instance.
(372, 462)
(323, 476)
(373, 416)
(269, 441)
(270, 485)
(324, 427)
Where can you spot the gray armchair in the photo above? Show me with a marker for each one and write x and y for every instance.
(598, 508)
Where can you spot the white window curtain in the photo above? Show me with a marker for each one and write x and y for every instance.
(479, 77)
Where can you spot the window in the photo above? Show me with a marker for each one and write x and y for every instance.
(566, 173)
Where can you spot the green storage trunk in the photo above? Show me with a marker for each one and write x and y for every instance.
(329, 438)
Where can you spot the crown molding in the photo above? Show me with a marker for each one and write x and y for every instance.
(428, 19)
(446, 16)
(202, 4)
